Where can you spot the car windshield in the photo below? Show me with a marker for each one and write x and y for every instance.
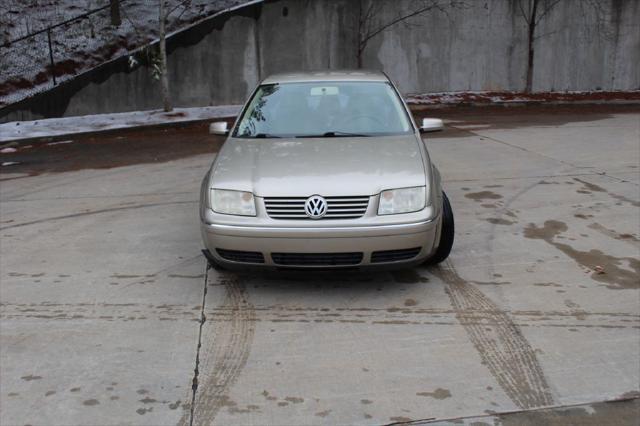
(324, 109)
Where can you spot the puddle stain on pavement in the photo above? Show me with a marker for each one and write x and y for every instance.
(500, 221)
(436, 394)
(589, 188)
(483, 196)
(612, 274)
(504, 350)
(627, 237)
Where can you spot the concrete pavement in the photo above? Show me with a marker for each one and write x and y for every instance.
(102, 284)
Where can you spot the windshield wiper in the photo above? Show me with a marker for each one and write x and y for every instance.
(334, 134)
(265, 136)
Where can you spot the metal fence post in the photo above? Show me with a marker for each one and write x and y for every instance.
(53, 64)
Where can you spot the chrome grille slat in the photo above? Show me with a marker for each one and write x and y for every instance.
(342, 207)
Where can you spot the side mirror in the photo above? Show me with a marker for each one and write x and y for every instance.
(219, 128)
(431, 125)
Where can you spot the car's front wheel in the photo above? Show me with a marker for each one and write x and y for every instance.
(446, 233)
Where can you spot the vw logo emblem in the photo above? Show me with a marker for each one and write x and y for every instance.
(315, 207)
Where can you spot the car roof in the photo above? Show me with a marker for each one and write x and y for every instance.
(308, 77)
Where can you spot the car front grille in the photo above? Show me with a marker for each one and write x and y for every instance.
(394, 255)
(316, 259)
(241, 256)
(292, 208)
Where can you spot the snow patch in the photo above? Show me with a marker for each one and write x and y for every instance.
(93, 123)
(59, 143)
(506, 98)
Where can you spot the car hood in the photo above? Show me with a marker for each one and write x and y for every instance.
(325, 166)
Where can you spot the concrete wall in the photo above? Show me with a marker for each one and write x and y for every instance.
(481, 46)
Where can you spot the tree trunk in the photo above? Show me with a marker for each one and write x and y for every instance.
(530, 40)
(164, 78)
(115, 13)
(359, 46)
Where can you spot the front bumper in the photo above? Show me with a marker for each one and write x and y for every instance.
(329, 241)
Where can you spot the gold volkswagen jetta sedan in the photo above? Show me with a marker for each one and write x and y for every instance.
(325, 170)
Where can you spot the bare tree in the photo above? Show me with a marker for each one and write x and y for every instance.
(164, 78)
(162, 69)
(535, 11)
(115, 12)
(371, 25)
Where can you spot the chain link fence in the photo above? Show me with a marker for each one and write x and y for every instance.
(42, 59)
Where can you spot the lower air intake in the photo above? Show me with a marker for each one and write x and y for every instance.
(316, 259)
(394, 255)
(241, 256)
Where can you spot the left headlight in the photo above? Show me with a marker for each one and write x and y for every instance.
(232, 202)
(404, 200)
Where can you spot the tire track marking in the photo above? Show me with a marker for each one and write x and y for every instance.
(499, 342)
(224, 353)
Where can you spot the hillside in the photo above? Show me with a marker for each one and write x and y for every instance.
(83, 43)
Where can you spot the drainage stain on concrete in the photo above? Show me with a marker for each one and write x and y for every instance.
(483, 195)
(606, 269)
(499, 342)
(324, 413)
(629, 238)
(268, 396)
(186, 276)
(31, 377)
(499, 221)
(437, 394)
(410, 302)
(590, 187)
(583, 216)
(547, 284)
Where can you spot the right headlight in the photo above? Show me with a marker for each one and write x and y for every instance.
(403, 200)
(232, 202)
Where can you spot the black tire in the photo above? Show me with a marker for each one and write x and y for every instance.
(446, 234)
